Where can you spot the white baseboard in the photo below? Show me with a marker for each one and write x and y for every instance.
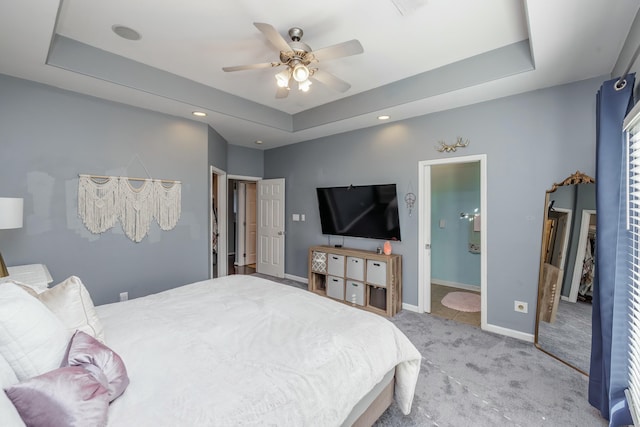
(410, 307)
(509, 332)
(456, 285)
(296, 278)
(489, 328)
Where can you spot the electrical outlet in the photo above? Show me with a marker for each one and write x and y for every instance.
(521, 307)
(124, 296)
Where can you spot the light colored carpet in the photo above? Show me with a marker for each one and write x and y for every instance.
(470, 377)
(462, 301)
(569, 337)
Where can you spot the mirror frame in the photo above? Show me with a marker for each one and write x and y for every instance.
(576, 178)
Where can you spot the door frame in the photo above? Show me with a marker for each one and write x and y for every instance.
(221, 259)
(240, 178)
(424, 231)
(566, 237)
(582, 244)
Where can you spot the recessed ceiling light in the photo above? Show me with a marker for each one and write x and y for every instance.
(199, 114)
(384, 117)
(126, 32)
(258, 142)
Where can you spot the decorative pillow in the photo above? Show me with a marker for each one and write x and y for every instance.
(32, 339)
(8, 413)
(71, 302)
(64, 397)
(85, 350)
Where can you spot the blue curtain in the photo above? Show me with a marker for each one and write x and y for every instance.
(609, 341)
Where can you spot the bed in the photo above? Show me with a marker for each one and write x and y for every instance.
(242, 350)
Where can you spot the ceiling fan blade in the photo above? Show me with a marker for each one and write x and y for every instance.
(252, 66)
(352, 47)
(330, 80)
(282, 92)
(273, 36)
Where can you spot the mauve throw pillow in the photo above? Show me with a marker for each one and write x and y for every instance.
(64, 397)
(84, 350)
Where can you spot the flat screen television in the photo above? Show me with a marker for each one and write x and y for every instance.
(369, 211)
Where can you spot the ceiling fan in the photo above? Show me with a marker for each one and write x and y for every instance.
(300, 61)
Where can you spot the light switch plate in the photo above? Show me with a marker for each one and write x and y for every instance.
(296, 217)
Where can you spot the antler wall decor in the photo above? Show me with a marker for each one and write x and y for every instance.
(444, 148)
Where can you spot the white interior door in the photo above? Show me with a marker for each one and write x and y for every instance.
(424, 231)
(582, 245)
(240, 224)
(251, 225)
(424, 239)
(270, 250)
(218, 223)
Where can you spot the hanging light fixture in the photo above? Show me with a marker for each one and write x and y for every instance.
(300, 73)
(304, 86)
(283, 77)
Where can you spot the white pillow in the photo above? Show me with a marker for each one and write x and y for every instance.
(9, 416)
(71, 302)
(32, 339)
(7, 376)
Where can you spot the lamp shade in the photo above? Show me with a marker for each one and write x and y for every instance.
(10, 213)
(300, 73)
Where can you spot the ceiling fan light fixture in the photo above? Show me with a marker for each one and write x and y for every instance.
(300, 73)
(304, 86)
(282, 78)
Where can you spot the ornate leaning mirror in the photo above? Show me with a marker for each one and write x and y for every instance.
(567, 260)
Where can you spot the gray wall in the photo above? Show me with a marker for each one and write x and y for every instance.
(218, 148)
(531, 140)
(49, 136)
(244, 161)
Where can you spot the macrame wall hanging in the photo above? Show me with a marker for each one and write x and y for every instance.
(105, 200)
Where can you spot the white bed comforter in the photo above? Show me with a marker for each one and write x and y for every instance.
(241, 350)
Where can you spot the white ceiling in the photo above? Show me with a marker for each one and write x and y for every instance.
(570, 40)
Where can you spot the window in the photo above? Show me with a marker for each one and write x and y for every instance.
(632, 131)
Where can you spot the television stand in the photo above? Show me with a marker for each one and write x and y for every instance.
(362, 279)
